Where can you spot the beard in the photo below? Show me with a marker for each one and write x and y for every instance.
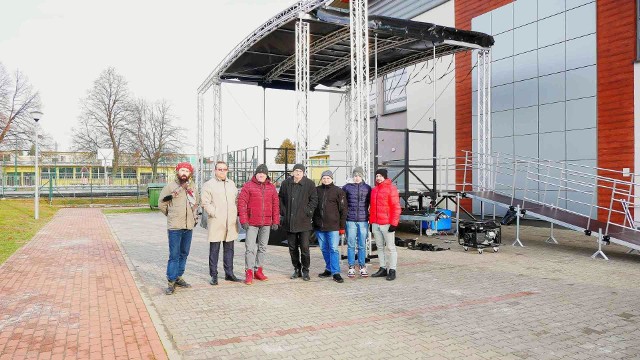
(183, 178)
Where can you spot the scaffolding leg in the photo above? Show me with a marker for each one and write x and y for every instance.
(457, 213)
(517, 227)
(551, 239)
(599, 252)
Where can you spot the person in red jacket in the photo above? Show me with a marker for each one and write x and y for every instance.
(259, 212)
(384, 215)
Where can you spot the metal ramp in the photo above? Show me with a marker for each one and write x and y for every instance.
(561, 193)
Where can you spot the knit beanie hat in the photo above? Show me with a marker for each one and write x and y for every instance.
(184, 165)
(383, 172)
(327, 173)
(359, 171)
(298, 167)
(262, 169)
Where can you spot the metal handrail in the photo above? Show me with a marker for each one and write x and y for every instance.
(542, 177)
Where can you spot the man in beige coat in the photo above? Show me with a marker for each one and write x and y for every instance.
(219, 200)
(178, 204)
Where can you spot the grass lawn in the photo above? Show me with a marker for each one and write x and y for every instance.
(129, 211)
(17, 225)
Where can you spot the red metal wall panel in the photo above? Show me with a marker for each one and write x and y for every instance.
(616, 41)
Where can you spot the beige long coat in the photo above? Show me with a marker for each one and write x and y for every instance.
(219, 199)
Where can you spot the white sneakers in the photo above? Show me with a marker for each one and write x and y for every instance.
(363, 271)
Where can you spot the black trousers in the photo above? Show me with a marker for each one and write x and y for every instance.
(299, 240)
(227, 257)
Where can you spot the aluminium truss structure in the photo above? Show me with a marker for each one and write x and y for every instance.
(336, 55)
(302, 90)
(485, 180)
(213, 80)
(359, 123)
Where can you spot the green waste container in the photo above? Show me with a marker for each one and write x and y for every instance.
(153, 192)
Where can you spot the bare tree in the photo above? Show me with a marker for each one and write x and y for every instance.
(156, 136)
(105, 118)
(17, 101)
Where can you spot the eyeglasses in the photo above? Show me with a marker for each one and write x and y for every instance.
(222, 169)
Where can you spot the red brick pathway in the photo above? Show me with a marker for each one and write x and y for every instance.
(69, 294)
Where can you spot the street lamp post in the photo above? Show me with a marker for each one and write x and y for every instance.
(37, 115)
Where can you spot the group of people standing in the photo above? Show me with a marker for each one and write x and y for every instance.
(300, 207)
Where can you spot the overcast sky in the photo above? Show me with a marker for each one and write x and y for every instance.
(165, 49)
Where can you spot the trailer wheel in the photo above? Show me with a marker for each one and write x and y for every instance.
(495, 249)
(480, 251)
(465, 248)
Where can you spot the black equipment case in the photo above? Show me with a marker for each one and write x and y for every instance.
(479, 235)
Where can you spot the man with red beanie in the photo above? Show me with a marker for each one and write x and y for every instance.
(178, 203)
(384, 215)
(259, 213)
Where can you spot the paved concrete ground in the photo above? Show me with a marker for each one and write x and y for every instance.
(538, 302)
(69, 294)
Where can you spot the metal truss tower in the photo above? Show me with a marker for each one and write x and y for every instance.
(360, 142)
(200, 144)
(217, 120)
(302, 90)
(485, 181)
(349, 132)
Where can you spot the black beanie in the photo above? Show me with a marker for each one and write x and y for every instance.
(383, 172)
(262, 169)
(298, 167)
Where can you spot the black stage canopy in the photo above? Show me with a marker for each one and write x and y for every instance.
(270, 62)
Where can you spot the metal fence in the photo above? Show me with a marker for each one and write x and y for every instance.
(24, 186)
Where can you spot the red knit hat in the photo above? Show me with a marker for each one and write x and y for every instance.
(184, 165)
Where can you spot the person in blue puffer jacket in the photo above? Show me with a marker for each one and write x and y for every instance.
(358, 198)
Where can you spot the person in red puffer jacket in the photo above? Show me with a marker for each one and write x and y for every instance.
(259, 212)
(384, 216)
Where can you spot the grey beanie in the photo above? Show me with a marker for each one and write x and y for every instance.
(262, 169)
(298, 167)
(358, 170)
(327, 173)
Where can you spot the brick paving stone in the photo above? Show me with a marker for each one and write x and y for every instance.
(65, 291)
(540, 301)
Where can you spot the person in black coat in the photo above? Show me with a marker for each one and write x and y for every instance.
(298, 200)
(329, 220)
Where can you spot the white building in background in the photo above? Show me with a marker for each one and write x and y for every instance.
(405, 99)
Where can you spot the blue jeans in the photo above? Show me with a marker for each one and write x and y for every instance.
(357, 230)
(179, 245)
(328, 242)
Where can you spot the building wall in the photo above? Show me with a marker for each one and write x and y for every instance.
(402, 9)
(606, 27)
(337, 134)
(636, 104)
(420, 103)
(544, 90)
(465, 10)
(616, 55)
(419, 111)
